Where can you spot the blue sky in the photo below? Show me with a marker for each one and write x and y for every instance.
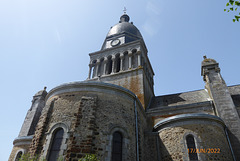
(46, 43)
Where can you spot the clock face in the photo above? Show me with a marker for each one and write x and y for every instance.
(115, 42)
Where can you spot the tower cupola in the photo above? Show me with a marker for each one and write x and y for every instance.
(122, 33)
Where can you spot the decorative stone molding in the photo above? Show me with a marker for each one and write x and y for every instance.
(23, 140)
(197, 116)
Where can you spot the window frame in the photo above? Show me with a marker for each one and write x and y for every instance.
(190, 155)
(50, 134)
(115, 146)
(125, 143)
(16, 155)
(53, 140)
(197, 141)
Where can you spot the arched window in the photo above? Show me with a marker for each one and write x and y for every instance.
(109, 65)
(94, 68)
(117, 146)
(125, 62)
(134, 58)
(101, 66)
(56, 145)
(191, 148)
(19, 155)
(117, 63)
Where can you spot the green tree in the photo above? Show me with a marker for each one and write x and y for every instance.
(89, 157)
(232, 6)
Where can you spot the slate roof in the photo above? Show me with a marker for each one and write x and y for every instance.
(180, 99)
(235, 93)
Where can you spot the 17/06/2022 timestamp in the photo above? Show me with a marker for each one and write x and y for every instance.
(203, 150)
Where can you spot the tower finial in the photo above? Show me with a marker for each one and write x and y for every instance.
(124, 17)
(124, 10)
(204, 57)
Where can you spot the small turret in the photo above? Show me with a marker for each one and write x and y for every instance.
(208, 65)
(24, 139)
(224, 106)
(33, 114)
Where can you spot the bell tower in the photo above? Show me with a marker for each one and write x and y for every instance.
(123, 61)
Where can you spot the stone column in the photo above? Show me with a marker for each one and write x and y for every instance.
(113, 64)
(105, 65)
(90, 71)
(121, 62)
(139, 58)
(97, 67)
(129, 60)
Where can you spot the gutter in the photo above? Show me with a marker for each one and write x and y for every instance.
(136, 124)
(229, 143)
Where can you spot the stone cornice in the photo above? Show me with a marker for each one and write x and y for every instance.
(91, 86)
(187, 117)
(23, 140)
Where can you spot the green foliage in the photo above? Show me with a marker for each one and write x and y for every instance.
(61, 158)
(89, 157)
(27, 157)
(233, 6)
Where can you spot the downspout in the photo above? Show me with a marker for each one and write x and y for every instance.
(136, 124)
(229, 143)
(158, 150)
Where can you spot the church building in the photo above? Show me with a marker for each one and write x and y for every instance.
(115, 114)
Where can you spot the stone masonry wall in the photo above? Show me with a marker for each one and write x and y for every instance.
(133, 81)
(150, 147)
(37, 142)
(173, 142)
(144, 127)
(16, 149)
(84, 129)
(115, 112)
(92, 118)
(225, 108)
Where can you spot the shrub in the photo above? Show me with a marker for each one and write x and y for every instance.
(89, 157)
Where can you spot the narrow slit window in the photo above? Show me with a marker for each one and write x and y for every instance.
(191, 148)
(117, 147)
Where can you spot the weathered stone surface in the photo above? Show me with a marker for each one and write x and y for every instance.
(223, 103)
(210, 140)
(33, 114)
(16, 149)
(92, 118)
